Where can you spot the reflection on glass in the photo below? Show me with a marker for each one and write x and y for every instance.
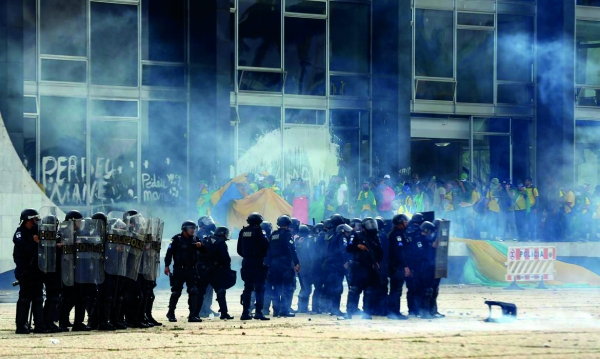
(62, 149)
(163, 30)
(515, 48)
(588, 96)
(305, 56)
(63, 27)
(114, 44)
(492, 159)
(515, 94)
(29, 104)
(434, 43)
(260, 81)
(350, 34)
(350, 130)
(304, 117)
(475, 19)
(501, 125)
(475, 69)
(29, 145)
(114, 160)
(259, 140)
(114, 108)
(63, 70)
(306, 6)
(29, 40)
(588, 52)
(587, 153)
(356, 86)
(435, 90)
(259, 31)
(163, 76)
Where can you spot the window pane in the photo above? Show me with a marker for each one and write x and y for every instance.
(232, 28)
(114, 108)
(588, 2)
(350, 34)
(62, 149)
(165, 76)
(435, 90)
(305, 56)
(473, 19)
(587, 153)
(114, 44)
(515, 48)
(63, 70)
(515, 94)
(164, 153)
(588, 96)
(259, 140)
(114, 159)
(305, 117)
(29, 145)
(29, 40)
(434, 43)
(163, 30)
(306, 6)
(357, 86)
(588, 52)
(260, 81)
(29, 104)
(260, 33)
(63, 27)
(475, 69)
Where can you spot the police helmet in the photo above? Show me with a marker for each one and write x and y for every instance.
(356, 223)
(303, 231)
(343, 228)
(284, 221)
(101, 216)
(254, 219)
(336, 220)
(87, 223)
(222, 232)
(28, 214)
(318, 228)
(267, 227)
(127, 215)
(399, 219)
(327, 225)
(73, 215)
(370, 225)
(187, 224)
(50, 219)
(201, 221)
(118, 224)
(295, 223)
(418, 218)
(206, 222)
(380, 222)
(427, 226)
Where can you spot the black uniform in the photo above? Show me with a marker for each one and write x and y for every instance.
(212, 267)
(253, 246)
(333, 271)
(396, 241)
(377, 293)
(30, 279)
(281, 259)
(305, 248)
(363, 273)
(416, 254)
(183, 252)
(319, 250)
(52, 283)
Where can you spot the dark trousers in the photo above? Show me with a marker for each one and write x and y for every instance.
(30, 296)
(254, 275)
(181, 276)
(283, 280)
(333, 278)
(395, 296)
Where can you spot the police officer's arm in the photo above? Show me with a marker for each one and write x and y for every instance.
(263, 241)
(223, 253)
(290, 244)
(240, 252)
(169, 255)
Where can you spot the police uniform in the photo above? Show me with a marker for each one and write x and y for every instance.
(396, 241)
(253, 246)
(211, 267)
(417, 257)
(319, 250)
(363, 274)
(281, 259)
(183, 252)
(333, 270)
(305, 248)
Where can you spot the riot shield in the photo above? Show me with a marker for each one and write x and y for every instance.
(116, 251)
(48, 228)
(138, 228)
(151, 260)
(67, 236)
(441, 252)
(89, 253)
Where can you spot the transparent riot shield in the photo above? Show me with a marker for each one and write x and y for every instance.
(441, 252)
(151, 260)
(138, 228)
(47, 235)
(116, 251)
(67, 246)
(89, 253)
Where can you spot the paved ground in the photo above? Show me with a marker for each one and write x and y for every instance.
(563, 323)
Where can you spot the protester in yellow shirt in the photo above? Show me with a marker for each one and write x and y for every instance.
(567, 198)
(522, 211)
(533, 194)
(492, 209)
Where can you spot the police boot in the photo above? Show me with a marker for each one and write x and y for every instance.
(193, 306)
(149, 311)
(50, 307)
(223, 305)
(142, 312)
(104, 315)
(302, 305)
(394, 307)
(93, 313)
(65, 311)
(172, 305)
(207, 300)
(78, 325)
(22, 316)
(285, 304)
(425, 310)
(335, 305)
(116, 313)
(133, 311)
(37, 307)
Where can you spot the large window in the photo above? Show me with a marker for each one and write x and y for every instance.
(588, 52)
(475, 66)
(350, 37)
(587, 153)
(29, 40)
(434, 44)
(515, 48)
(305, 56)
(259, 140)
(63, 27)
(163, 30)
(259, 33)
(114, 44)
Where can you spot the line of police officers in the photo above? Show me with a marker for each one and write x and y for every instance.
(104, 265)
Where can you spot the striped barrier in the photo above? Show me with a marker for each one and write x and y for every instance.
(530, 264)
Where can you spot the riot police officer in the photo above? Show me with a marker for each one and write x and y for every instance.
(321, 303)
(214, 268)
(396, 241)
(28, 273)
(106, 290)
(366, 254)
(206, 228)
(417, 268)
(334, 263)
(432, 284)
(413, 231)
(282, 261)
(379, 291)
(51, 278)
(183, 252)
(305, 248)
(253, 246)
